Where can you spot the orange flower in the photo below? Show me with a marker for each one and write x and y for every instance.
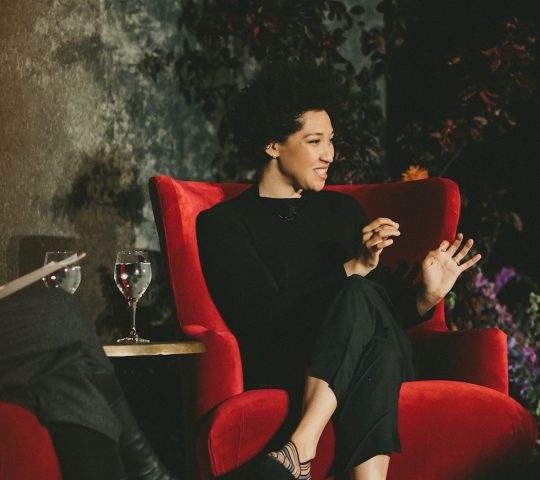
(415, 172)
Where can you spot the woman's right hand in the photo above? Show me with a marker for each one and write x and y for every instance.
(375, 238)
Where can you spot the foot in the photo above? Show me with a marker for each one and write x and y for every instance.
(289, 458)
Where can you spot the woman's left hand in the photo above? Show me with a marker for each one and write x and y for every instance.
(441, 268)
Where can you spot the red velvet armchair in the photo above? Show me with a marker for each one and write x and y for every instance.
(456, 423)
(26, 451)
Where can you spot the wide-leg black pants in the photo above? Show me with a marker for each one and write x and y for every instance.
(364, 355)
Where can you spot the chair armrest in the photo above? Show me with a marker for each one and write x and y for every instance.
(219, 370)
(239, 429)
(476, 356)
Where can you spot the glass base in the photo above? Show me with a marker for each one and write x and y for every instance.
(132, 339)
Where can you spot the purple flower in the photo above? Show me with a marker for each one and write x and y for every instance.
(523, 356)
(504, 316)
(480, 281)
(503, 277)
(525, 387)
(530, 354)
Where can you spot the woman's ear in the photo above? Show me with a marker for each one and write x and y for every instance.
(271, 150)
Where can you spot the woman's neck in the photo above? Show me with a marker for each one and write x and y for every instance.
(273, 185)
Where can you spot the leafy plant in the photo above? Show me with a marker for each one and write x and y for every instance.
(485, 87)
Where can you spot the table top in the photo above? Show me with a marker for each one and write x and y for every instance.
(153, 348)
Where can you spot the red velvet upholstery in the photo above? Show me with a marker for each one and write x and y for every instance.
(230, 432)
(476, 356)
(26, 451)
(454, 430)
(450, 427)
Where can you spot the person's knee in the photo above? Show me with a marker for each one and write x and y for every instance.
(359, 289)
(354, 281)
(387, 356)
(355, 303)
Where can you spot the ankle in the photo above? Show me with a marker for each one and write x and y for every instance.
(306, 447)
(289, 458)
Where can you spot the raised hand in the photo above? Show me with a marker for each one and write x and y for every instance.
(442, 267)
(375, 237)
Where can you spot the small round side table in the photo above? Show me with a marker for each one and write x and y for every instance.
(178, 354)
(152, 348)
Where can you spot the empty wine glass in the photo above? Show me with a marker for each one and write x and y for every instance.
(68, 277)
(132, 274)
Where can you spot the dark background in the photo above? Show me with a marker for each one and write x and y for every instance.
(502, 172)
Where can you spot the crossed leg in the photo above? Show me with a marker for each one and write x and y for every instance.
(319, 405)
(365, 368)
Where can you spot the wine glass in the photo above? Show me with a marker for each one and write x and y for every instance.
(68, 277)
(132, 274)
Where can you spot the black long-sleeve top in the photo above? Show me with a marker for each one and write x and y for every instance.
(272, 265)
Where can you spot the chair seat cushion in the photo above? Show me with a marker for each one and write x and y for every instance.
(448, 430)
(456, 430)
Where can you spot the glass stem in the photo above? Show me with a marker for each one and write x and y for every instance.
(133, 307)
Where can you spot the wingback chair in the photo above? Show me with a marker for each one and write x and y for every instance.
(456, 422)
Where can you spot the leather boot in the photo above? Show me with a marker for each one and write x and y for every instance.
(139, 459)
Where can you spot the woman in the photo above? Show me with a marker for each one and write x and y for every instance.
(52, 363)
(292, 269)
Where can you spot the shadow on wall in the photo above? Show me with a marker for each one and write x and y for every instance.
(106, 182)
(104, 207)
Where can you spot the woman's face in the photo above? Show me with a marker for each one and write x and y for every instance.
(304, 158)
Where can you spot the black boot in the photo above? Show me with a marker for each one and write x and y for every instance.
(139, 459)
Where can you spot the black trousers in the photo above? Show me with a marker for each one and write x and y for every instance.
(364, 355)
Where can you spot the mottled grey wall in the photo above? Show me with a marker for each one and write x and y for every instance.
(351, 50)
(89, 111)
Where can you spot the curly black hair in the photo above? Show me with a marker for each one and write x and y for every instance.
(270, 108)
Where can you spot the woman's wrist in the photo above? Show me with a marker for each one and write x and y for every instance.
(425, 301)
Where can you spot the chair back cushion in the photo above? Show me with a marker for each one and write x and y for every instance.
(427, 212)
(177, 203)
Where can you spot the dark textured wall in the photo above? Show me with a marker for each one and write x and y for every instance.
(90, 110)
